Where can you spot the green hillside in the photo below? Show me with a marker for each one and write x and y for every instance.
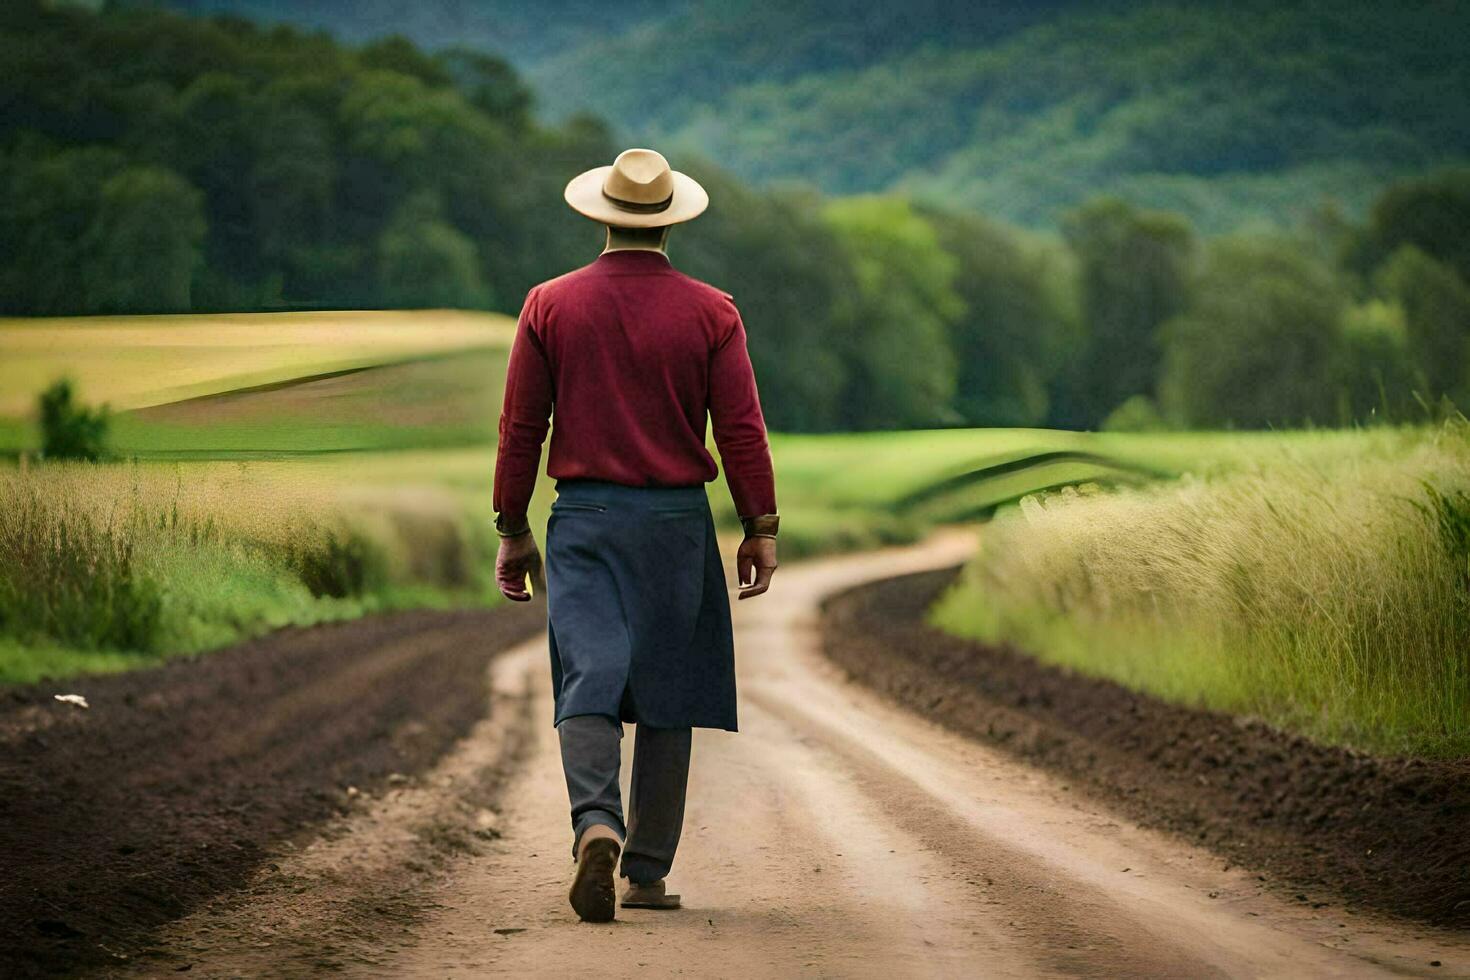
(1233, 114)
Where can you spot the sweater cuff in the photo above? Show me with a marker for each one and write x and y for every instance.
(511, 526)
(764, 526)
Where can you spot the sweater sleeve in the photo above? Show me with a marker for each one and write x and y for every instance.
(739, 427)
(524, 417)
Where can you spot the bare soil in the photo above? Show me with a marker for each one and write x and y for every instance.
(1384, 834)
(179, 781)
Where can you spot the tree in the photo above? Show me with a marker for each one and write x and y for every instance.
(1436, 310)
(398, 54)
(1017, 324)
(143, 246)
(304, 151)
(48, 200)
(292, 179)
(70, 430)
(490, 84)
(1133, 270)
(784, 266)
(901, 367)
(1257, 344)
(209, 140)
(1430, 213)
(422, 261)
(1372, 374)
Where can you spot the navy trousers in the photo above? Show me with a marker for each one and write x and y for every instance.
(638, 610)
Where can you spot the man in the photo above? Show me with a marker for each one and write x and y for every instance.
(633, 356)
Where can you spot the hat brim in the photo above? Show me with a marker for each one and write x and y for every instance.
(584, 194)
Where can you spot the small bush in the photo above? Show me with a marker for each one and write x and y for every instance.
(436, 547)
(70, 430)
(339, 563)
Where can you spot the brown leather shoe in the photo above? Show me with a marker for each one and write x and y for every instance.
(649, 896)
(593, 896)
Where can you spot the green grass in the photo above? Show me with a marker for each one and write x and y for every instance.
(37, 660)
(1326, 593)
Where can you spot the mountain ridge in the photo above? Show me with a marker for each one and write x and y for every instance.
(1233, 114)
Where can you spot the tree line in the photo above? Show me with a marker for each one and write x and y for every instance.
(151, 162)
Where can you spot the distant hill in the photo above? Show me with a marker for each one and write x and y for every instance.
(1234, 113)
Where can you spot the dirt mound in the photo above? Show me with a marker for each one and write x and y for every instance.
(1386, 834)
(173, 785)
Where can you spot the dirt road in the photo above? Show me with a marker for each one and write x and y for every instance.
(836, 835)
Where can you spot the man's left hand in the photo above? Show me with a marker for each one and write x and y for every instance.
(518, 558)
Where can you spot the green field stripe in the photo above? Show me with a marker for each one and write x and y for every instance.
(1011, 464)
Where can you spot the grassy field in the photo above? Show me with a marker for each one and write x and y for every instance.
(1329, 594)
(447, 400)
(300, 468)
(281, 468)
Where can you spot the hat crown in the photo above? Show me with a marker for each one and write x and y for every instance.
(639, 176)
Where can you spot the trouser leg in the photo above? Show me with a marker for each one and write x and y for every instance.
(656, 802)
(590, 757)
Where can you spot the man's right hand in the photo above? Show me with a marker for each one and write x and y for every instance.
(518, 558)
(756, 563)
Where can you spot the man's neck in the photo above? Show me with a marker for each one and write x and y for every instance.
(625, 243)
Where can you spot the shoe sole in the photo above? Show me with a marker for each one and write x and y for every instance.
(593, 896)
(666, 904)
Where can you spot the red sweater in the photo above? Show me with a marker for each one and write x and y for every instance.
(633, 354)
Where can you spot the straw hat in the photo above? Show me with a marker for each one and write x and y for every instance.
(637, 191)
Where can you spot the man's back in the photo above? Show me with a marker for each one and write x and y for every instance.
(632, 354)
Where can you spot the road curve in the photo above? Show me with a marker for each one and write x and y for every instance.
(835, 835)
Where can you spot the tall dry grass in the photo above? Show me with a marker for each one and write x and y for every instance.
(157, 559)
(1330, 597)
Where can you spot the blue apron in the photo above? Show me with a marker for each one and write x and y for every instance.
(639, 615)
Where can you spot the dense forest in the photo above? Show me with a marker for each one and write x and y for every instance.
(1233, 113)
(155, 162)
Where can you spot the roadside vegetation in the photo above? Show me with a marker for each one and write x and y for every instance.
(845, 491)
(1328, 595)
(111, 566)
